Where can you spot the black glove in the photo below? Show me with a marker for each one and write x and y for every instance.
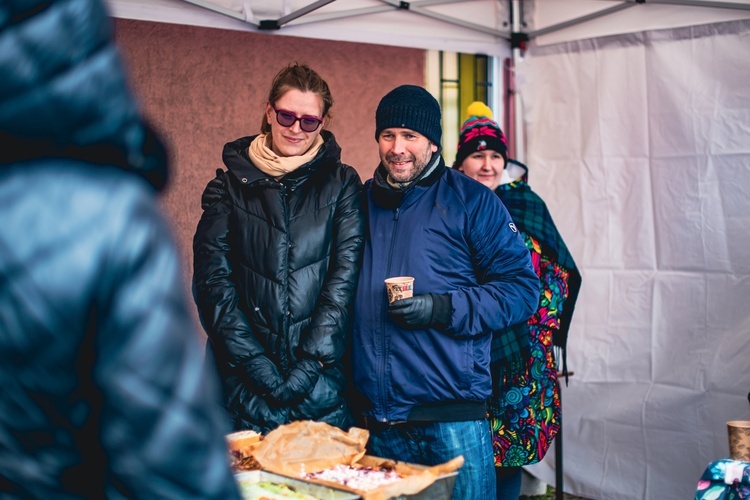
(301, 381)
(263, 375)
(420, 311)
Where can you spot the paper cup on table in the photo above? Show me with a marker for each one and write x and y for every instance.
(399, 287)
(739, 440)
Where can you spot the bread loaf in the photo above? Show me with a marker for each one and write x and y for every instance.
(243, 441)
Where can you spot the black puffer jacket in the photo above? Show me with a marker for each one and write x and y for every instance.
(276, 268)
(104, 393)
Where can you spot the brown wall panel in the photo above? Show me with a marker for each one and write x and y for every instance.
(203, 87)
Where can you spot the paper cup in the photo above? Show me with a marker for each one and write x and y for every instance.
(399, 287)
(739, 440)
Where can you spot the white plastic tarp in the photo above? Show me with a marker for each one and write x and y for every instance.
(640, 145)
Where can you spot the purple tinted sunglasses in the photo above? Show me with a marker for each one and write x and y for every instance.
(306, 122)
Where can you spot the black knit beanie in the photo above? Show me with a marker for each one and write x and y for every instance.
(412, 107)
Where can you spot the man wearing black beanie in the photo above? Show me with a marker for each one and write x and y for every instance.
(422, 363)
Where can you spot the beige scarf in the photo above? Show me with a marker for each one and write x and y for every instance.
(276, 166)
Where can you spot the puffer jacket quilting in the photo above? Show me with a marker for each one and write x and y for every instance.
(104, 393)
(276, 265)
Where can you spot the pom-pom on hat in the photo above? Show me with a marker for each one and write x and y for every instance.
(478, 133)
(412, 107)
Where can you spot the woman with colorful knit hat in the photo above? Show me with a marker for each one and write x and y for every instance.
(525, 405)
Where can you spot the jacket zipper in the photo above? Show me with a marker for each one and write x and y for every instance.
(286, 348)
(383, 341)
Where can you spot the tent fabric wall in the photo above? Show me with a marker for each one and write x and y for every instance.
(640, 145)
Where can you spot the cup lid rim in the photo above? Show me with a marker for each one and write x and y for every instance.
(395, 279)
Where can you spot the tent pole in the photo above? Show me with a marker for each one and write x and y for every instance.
(265, 24)
(633, 3)
(342, 14)
(703, 3)
(510, 116)
(559, 493)
(517, 55)
(579, 20)
(414, 7)
(301, 12)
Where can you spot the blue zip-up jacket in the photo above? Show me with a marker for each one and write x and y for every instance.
(454, 236)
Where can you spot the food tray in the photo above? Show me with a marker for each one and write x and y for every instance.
(317, 490)
(441, 489)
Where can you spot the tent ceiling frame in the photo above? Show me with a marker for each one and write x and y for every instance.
(703, 3)
(342, 14)
(579, 20)
(418, 7)
(246, 17)
(220, 10)
(274, 24)
(633, 3)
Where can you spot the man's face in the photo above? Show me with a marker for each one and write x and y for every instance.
(404, 153)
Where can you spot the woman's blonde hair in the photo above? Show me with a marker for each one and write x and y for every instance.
(303, 78)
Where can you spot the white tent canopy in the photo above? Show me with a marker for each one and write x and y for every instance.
(473, 28)
(468, 26)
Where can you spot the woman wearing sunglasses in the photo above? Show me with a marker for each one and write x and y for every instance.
(276, 260)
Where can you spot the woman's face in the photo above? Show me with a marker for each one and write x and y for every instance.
(292, 140)
(485, 166)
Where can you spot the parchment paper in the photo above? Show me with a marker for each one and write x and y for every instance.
(302, 447)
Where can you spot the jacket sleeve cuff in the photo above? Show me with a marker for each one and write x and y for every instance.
(442, 308)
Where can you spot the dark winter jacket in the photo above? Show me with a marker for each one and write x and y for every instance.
(103, 391)
(276, 267)
(454, 236)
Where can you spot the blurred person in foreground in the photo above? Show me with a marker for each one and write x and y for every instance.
(276, 260)
(423, 363)
(525, 411)
(104, 394)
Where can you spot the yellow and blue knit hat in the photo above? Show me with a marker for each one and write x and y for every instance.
(478, 133)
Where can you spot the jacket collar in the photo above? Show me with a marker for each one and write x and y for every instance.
(389, 197)
(238, 162)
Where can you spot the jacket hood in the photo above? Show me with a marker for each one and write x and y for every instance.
(238, 162)
(514, 171)
(72, 100)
